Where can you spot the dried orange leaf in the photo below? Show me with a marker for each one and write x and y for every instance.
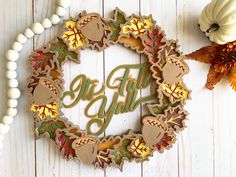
(232, 78)
(205, 54)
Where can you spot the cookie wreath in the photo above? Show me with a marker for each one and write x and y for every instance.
(165, 67)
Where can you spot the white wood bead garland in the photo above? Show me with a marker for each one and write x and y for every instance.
(37, 28)
(12, 56)
(12, 103)
(11, 112)
(46, 23)
(12, 83)
(55, 19)
(21, 38)
(61, 11)
(17, 46)
(11, 74)
(4, 129)
(11, 65)
(7, 120)
(64, 3)
(29, 33)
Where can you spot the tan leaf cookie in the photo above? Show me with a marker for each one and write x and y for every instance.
(46, 92)
(86, 149)
(91, 26)
(153, 130)
(174, 69)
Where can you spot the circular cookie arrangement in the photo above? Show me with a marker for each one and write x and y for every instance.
(166, 66)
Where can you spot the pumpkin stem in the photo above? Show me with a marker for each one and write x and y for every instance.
(214, 27)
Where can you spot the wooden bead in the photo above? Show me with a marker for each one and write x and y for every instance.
(12, 103)
(7, 120)
(61, 11)
(11, 65)
(37, 28)
(13, 83)
(46, 23)
(64, 3)
(11, 112)
(21, 39)
(17, 46)
(55, 19)
(12, 55)
(14, 93)
(1, 137)
(29, 33)
(4, 129)
(11, 74)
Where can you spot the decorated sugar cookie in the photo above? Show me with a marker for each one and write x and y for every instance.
(164, 69)
(86, 149)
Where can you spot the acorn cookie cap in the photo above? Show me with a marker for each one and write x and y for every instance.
(84, 140)
(86, 19)
(154, 122)
(177, 61)
(50, 85)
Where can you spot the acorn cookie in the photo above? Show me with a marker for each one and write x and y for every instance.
(92, 27)
(86, 149)
(153, 130)
(46, 92)
(174, 70)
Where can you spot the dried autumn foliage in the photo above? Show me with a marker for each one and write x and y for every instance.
(223, 63)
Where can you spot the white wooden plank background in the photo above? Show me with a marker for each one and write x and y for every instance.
(207, 148)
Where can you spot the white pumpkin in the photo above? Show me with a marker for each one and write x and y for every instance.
(218, 21)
